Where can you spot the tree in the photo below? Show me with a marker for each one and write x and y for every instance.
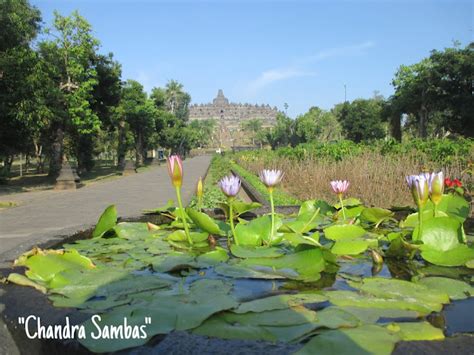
(283, 133)
(20, 78)
(253, 126)
(69, 56)
(361, 120)
(176, 100)
(140, 114)
(317, 125)
(204, 130)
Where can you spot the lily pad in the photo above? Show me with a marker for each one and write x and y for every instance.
(350, 247)
(204, 222)
(367, 339)
(456, 289)
(376, 214)
(279, 302)
(344, 232)
(458, 256)
(107, 221)
(441, 233)
(132, 230)
(349, 202)
(255, 252)
(412, 331)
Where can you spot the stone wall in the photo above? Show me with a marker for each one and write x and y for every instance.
(230, 117)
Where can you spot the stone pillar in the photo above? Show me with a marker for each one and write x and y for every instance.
(129, 168)
(65, 180)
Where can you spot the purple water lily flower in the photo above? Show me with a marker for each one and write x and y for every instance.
(230, 185)
(271, 178)
(340, 186)
(420, 188)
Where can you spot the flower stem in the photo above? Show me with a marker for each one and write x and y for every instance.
(435, 210)
(342, 207)
(199, 204)
(420, 223)
(231, 220)
(272, 206)
(183, 217)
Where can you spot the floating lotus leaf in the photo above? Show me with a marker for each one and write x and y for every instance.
(355, 299)
(348, 202)
(416, 331)
(378, 315)
(441, 233)
(344, 232)
(351, 247)
(452, 205)
(296, 239)
(255, 252)
(456, 289)
(241, 272)
(256, 231)
(45, 265)
(306, 263)
(376, 214)
(351, 212)
(131, 231)
(204, 222)
(367, 339)
(311, 206)
(458, 256)
(107, 221)
(239, 207)
(279, 302)
(403, 290)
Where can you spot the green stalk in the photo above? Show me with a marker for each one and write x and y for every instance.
(183, 217)
(231, 220)
(342, 206)
(272, 206)
(420, 223)
(435, 210)
(199, 203)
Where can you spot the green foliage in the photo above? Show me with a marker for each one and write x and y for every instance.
(317, 125)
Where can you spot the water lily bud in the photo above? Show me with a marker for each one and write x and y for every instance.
(436, 187)
(230, 185)
(271, 178)
(175, 170)
(340, 186)
(423, 190)
(420, 189)
(376, 257)
(199, 188)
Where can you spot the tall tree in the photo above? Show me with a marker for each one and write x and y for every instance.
(20, 104)
(361, 120)
(70, 55)
(177, 101)
(253, 126)
(317, 125)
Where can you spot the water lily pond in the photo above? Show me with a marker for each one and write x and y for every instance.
(332, 278)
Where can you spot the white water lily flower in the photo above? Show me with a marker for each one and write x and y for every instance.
(271, 178)
(230, 185)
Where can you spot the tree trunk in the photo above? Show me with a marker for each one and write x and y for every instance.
(139, 149)
(39, 157)
(57, 151)
(121, 148)
(423, 118)
(396, 127)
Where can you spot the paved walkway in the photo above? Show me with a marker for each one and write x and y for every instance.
(49, 214)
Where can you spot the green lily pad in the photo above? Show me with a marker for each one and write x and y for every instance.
(452, 205)
(239, 207)
(256, 231)
(456, 289)
(46, 265)
(132, 230)
(107, 221)
(255, 252)
(348, 202)
(296, 239)
(416, 331)
(378, 315)
(458, 256)
(350, 247)
(241, 272)
(204, 222)
(344, 232)
(279, 302)
(213, 257)
(367, 339)
(441, 233)
(307, 262)
(355, 299)
(376, 214)
(400, 289)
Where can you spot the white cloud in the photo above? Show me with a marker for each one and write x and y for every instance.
(271, 76)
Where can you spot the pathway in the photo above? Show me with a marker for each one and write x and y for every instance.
(49, 214)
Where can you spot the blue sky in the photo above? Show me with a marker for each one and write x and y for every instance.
(298, 52)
